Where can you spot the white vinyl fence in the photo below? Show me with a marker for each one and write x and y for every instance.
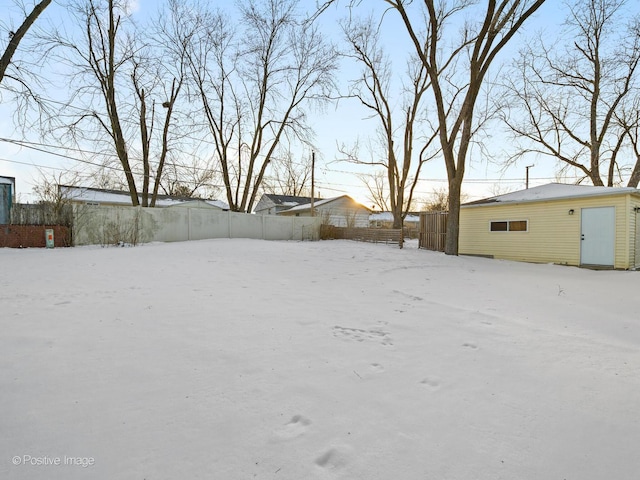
(106, 225)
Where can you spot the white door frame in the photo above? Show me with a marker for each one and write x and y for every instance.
(598, 236)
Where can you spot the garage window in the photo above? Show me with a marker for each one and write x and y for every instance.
(509, 226)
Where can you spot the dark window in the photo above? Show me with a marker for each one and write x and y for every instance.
(518, 226)
(498, 226)
(509, 226)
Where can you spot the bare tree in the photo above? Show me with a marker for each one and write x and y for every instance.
(47, 187)
(376, 184)
(15, 37)
(21, 65)
(124, 90)
(53, 199)
(573, 98)
(254, 79)
(374, 91)
(288, 177)
(104, 58)
(146, 123)
(438, 200)
(190, 174)
(457, 71)
(629, 120)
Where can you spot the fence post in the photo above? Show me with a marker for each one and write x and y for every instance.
(189, 224)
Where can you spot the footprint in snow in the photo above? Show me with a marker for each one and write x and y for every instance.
(337, 457)
(431, 382)
(360, 335)
(376, 368)
(408, 295)
(297, 426)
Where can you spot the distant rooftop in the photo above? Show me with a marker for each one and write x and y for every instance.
(98, 195)
(319, 203)
(289, 200)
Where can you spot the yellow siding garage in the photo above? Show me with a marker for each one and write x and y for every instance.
(544, 225)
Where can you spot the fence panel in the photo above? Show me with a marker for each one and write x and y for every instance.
(433, 231)
(103, 224)
(41, 214)
(372, 235)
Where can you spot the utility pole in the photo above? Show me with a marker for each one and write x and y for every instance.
(526, 183)
(313, 171)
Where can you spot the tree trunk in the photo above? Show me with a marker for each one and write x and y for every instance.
(398, 208)
(634, 179)
(453, 218)
(112, 108)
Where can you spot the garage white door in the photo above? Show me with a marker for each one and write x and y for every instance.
(598, 236)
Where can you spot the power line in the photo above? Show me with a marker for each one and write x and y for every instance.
(36, 145)
(320, 183)
(86, 111)
(33, 164)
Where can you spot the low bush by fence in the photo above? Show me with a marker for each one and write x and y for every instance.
(373, 235)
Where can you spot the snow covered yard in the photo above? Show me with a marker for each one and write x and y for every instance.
(242, 359)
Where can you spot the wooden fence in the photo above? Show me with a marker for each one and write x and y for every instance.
(433, 231)
(29, 222)
(41, 214)
(373, 235)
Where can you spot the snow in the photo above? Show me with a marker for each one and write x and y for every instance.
(554, 191)
(240, 359)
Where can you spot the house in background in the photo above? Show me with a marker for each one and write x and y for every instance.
(341, 211)
(98, 196)
(271, 204)
(556, 223)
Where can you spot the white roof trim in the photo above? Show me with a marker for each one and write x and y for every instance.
(552, 191)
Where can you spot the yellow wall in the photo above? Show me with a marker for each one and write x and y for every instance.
(553, 235)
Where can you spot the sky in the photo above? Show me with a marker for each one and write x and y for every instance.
(333, 360)
(345, 122)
